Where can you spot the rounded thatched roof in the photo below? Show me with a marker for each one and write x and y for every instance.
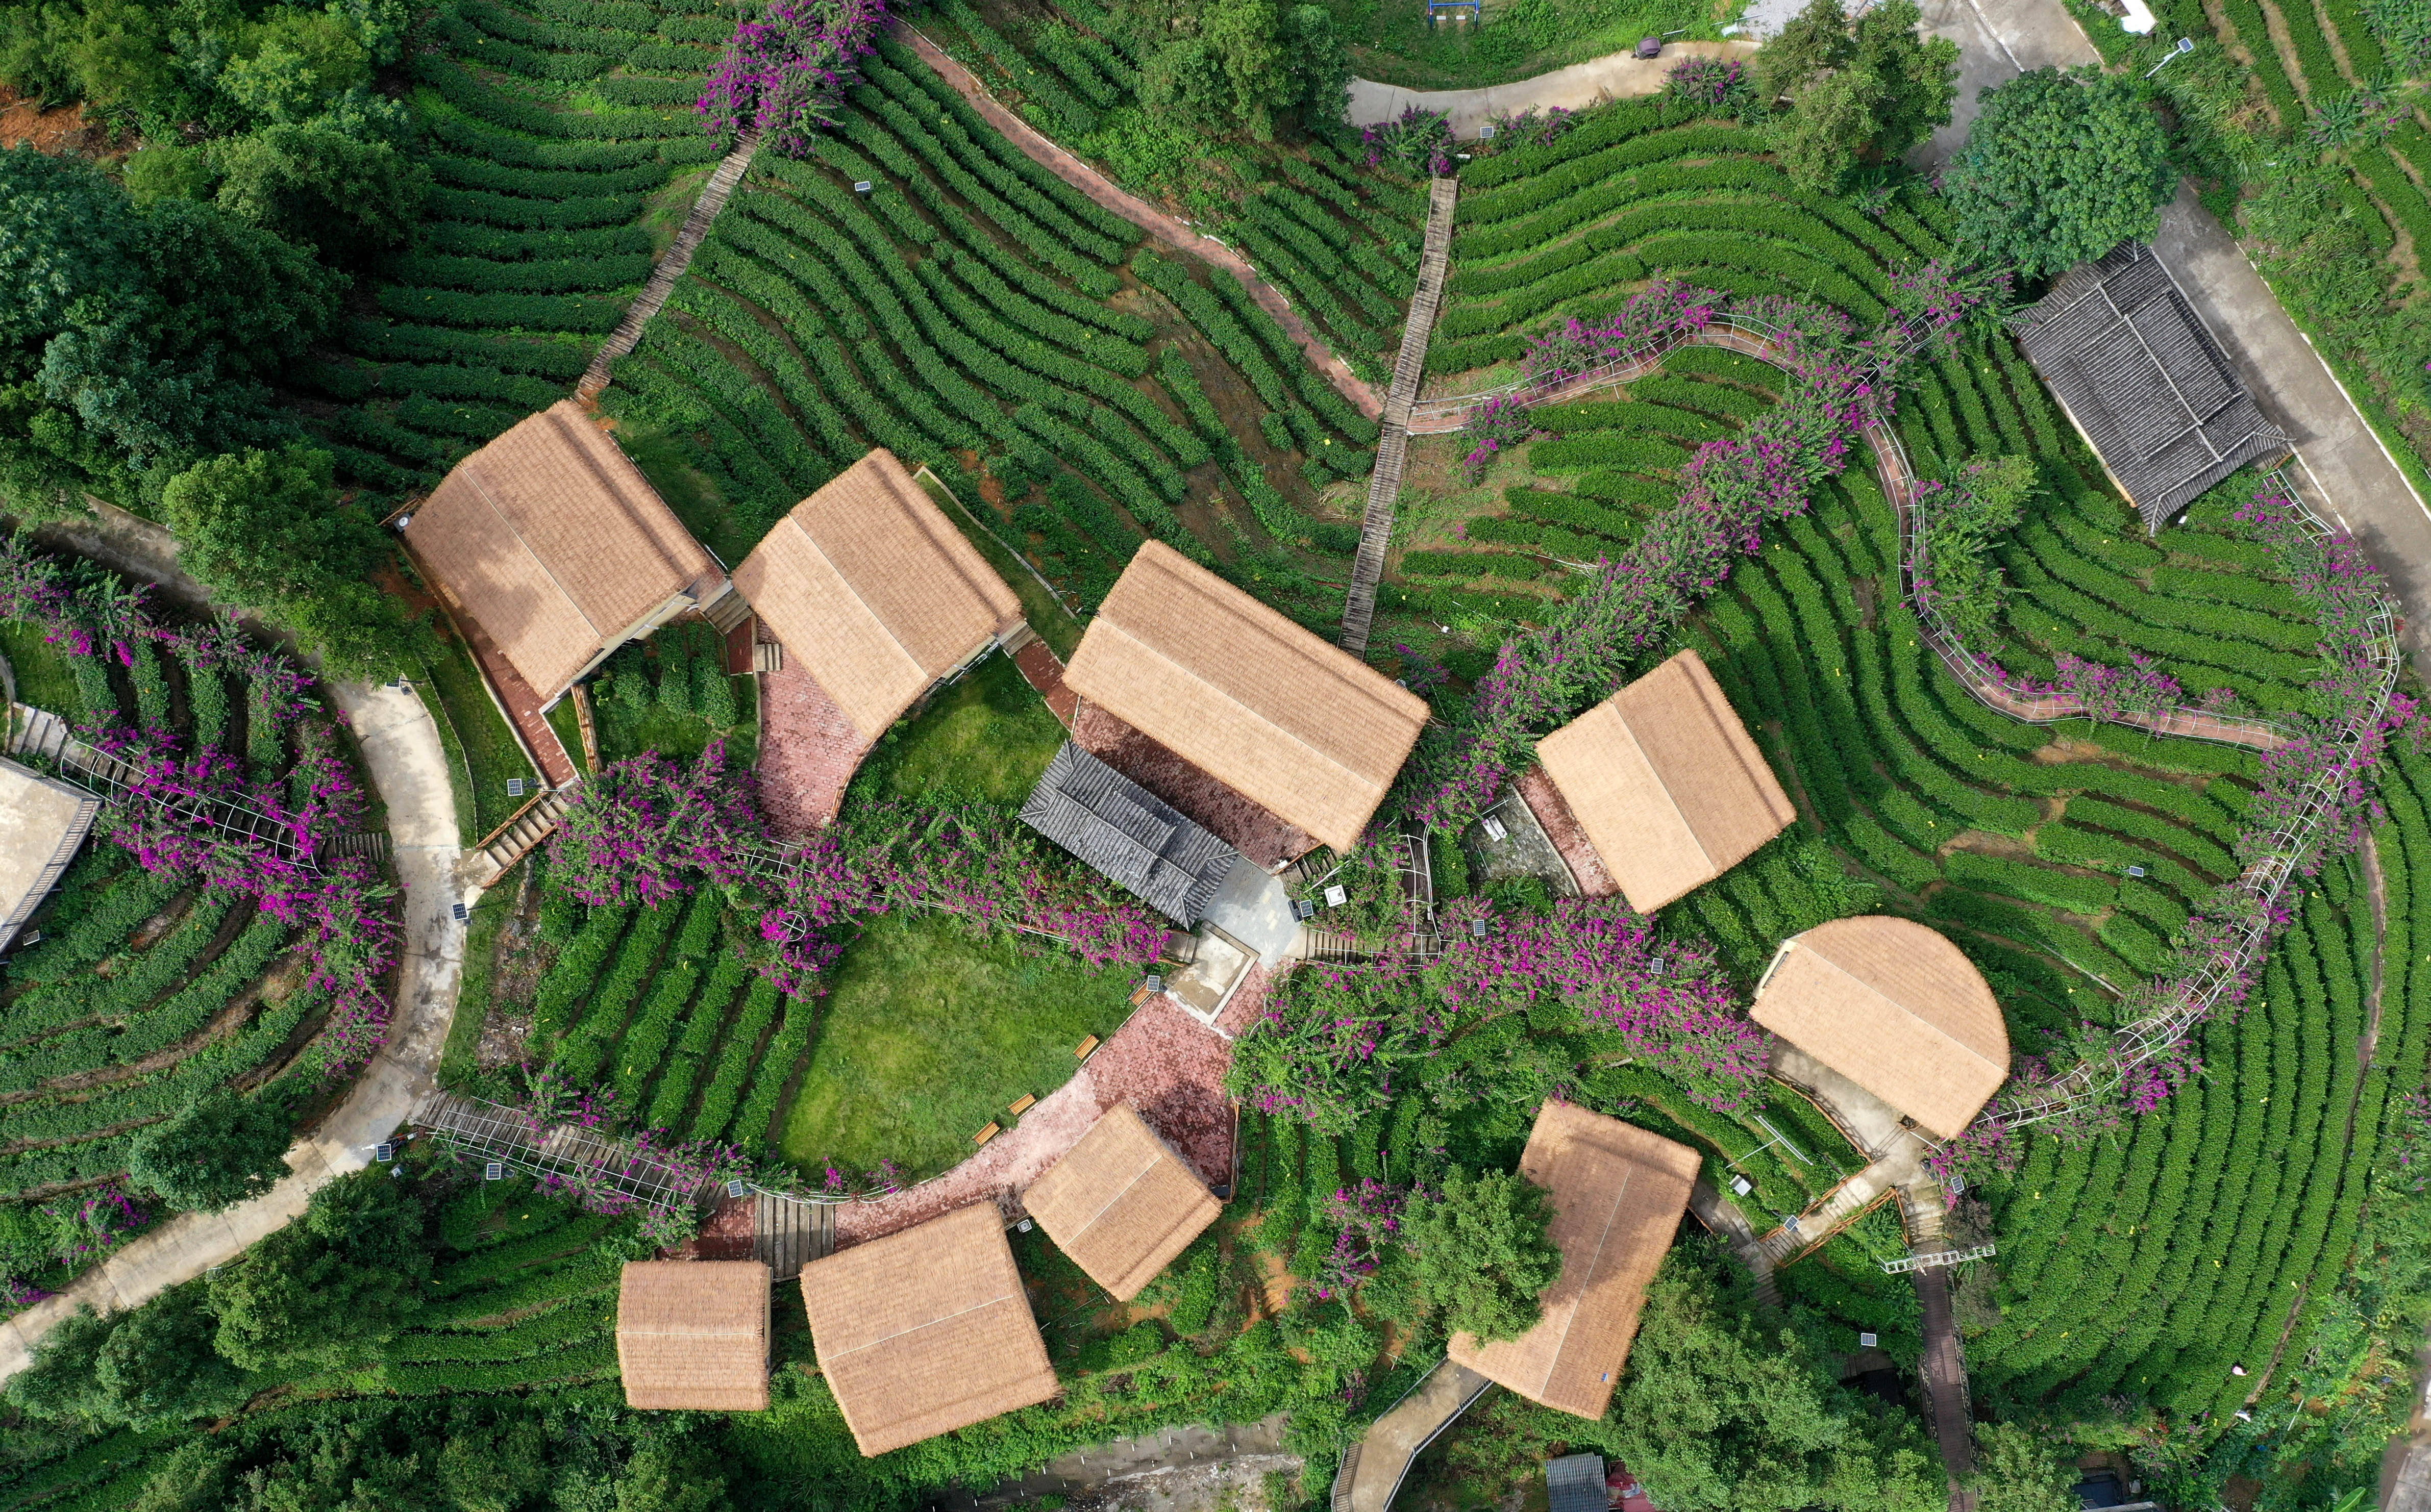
(1895, 1008)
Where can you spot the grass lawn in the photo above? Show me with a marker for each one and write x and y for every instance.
(929, 1035)
(989, 737)
(491, 752)
(567, 722)
(42, 670)
(460, 1057)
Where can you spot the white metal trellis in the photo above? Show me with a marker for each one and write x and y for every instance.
(580, 1156)
(233, 819)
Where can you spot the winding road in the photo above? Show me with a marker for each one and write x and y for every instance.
(408, 769)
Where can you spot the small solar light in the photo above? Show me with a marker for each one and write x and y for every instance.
(1957, 1185)
(461, 914)
(1337, 895)
(383, 1153)
(2134, 870)
(1743, 1186)
(734, 1189)
(862, 186)
(1155, 983)
(1302, 908)
(1477, 928)
(1867, 1340)
(1023, 1226)
(1495, 829)
(1486, 133)
(494, 1170)
(514, 787)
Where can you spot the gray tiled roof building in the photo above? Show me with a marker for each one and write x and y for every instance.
(1128, 834)
(2146, 383)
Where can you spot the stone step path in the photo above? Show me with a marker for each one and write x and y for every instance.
(1393, 446)
(661, 282)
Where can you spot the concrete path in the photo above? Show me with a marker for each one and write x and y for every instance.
(409, 769)
(1614, 77)
(1164, 227)
(1375, 1467)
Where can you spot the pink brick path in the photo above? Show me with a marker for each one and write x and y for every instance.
(808, 751)
(1164, 1062)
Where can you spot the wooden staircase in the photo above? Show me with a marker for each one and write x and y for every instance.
(1393, 446)
(513, 841)
(727, 610)
(788, 1233)
(627, 334)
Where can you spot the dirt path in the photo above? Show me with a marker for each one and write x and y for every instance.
(1166, 229)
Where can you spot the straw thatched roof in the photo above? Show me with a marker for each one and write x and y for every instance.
(2143, 379)
(553, 542)
(1665, 781)
(694, 1335)
(926, 1330)
(1121, 1204)
(43, 821)
(871, 588)
(1896, 1008)
(1618, 1195)
(1301, 728)
(1129, 833)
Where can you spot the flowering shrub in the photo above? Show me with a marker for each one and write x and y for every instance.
(645, 829)
(1718, 86)
(1961, 517)
(1366, 1220)
(1929, 303)
(1501, 421)
(2108, 692)
(785, 74)
(1531, 128)
(1415, 141)
(1666, 307)
(1335, 1041)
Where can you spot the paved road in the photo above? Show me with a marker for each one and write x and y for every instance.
(1610, 77)
(408, 769)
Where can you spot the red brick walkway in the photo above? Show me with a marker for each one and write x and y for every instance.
(1147, 218)
(808, 751)
(1225, 814)
(1044, 672)
(1562, 827)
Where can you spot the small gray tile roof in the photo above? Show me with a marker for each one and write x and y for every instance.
(1129, 833)
(2143, 379)
(1575, 1482)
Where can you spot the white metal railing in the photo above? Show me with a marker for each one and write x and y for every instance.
(1937, 1260)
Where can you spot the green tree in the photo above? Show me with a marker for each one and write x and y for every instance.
(266, 531)
(1871, 93)
(319, 188)
(221, 1148)
(2018, 1470)
(286, 67)
(152, 1367)
(1718, 1412)
(1481, 1253)
(2058, 168)
(350, 1272)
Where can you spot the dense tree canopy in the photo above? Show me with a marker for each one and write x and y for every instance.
(149, 1368)
(1868, 92)
(350, 1273)
(2018, 1470)
(1249, 65)
(1481, 1253)
(2060, 167)
(221, 1148)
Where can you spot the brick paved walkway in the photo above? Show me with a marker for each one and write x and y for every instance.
(1044, 672)
(1562, 827)
(808, 751)
(1147, 217)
